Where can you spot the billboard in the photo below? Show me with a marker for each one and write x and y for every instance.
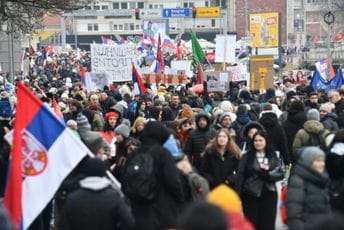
(153, 27)
(264, 30)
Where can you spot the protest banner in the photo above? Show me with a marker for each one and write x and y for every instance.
(182, 65)
(237, 73)
(114, 61)
(217, 81)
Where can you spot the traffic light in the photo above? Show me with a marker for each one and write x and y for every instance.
(137, 14)
(193, 12)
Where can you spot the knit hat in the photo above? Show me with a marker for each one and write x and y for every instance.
(227, 114)
(118, 108)
(93, 167)
(93, 141)
(111, 114)
(122, 130)
(313, 114)
(82, 121)
(326, 107)
(226, 198)
(226, 106)
(310, 154)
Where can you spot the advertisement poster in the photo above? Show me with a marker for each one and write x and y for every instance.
(154, 27)
(264, 30)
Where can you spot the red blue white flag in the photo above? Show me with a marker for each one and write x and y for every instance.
(139, 87)
(44, 152)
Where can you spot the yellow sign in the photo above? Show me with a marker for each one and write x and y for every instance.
(208, 12)
(264, 30)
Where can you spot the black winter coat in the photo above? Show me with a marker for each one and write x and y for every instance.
(219, 169)
(307, 197)
(339, 109)
(251, 178)
(291, 126)
(162, 212)
(96, 205)
(197, 141)
(276, 133)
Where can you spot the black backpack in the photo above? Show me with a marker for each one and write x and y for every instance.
(140, 181)
(317, 140)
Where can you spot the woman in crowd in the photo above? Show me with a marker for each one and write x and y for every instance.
(138, 126)
(220, 160)
(258, 171)
(108, 132)
(307, 196)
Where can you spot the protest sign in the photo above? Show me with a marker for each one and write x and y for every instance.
(217, 81)
(114, 61)
(95, 81)
(225, 48)
(237, 73)
(182, 65)
(262, 72)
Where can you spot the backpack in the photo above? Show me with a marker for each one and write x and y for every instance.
(5, 108)
(317, 140)
(140, 182)
(198, 185)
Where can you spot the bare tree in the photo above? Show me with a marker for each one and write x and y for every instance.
(338, 4)
(26, 15)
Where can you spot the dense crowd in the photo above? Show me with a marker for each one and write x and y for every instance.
(211, 160)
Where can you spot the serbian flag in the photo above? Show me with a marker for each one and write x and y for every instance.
(44, 153)
(139, 87)
(169, 43)
(325, 69)
(160, 55)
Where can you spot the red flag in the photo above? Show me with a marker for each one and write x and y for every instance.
(32, 50)
(139, 87)
(200, 77)
(57, 109)
(160, 55)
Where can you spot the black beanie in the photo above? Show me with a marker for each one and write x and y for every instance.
(154, 131)
(94, 167)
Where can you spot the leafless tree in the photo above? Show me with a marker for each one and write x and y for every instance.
(26, 16)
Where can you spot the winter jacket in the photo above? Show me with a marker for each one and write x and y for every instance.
(307, 197)
(302, 137)
(294, 122)
(339, 110)
(238, 125)
(96, 205)
(197, 141)
(164, 211)
(219, 169)
(251, 178)
(334, 166)
(276, 133)
(329, 121)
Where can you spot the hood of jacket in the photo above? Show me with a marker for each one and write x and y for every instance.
(204, 115)
(313, 126)
(298, 117)
(95, 183)
(310, 175)
(331, 116)
(243, 119)
(268, 119)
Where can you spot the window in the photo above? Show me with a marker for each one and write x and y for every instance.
(96, 7)
(92, 27)
(132, 5)
(311, 1)
(124, 5)
(150, 6)
(115, 5)
(188, 4)
(161, 6)
(132, 26)
(89, 27)
(88, 8)
(115, 27)
(126, 26)
(206, 3)
(120, 27)
(140, 5)
(137, 27)
(212, 22)
(105, 7)
(156, 6)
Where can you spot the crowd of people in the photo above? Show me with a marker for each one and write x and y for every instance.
(210, 160)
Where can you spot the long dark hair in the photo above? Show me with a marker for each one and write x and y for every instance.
(269, 149)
